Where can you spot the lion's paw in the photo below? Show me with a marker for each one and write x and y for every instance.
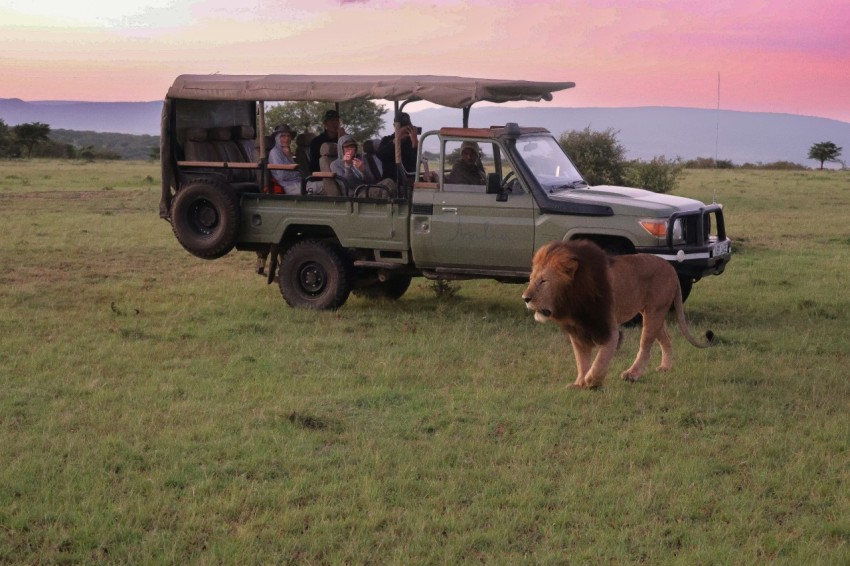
(629, 376)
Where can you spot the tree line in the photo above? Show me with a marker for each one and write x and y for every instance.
(38, 140)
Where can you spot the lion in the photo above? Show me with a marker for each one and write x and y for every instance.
(589, 294)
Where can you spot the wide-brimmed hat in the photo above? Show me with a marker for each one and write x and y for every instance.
(283, 129)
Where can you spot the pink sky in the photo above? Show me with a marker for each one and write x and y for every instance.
(771, 56)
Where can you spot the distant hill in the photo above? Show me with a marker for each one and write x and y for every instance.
(741, 137)
(645, 132)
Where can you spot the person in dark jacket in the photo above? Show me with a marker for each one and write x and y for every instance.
(332, 132)
(409, 148)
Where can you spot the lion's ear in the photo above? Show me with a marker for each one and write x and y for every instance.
(569, 266)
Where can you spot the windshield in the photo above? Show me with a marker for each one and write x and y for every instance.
(549, 164)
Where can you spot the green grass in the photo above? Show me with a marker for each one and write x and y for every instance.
(157, 408)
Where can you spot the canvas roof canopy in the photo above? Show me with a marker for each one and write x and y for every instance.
(453, 92)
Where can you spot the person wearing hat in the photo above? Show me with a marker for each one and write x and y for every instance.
(350, 166)
(468, 170)
(281, 154)
(332, 131)
(409, 144)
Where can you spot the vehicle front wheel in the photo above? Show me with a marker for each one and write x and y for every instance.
(315, 275)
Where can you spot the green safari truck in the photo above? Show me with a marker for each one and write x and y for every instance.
(321, 246)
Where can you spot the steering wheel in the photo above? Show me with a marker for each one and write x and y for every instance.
(508, 180)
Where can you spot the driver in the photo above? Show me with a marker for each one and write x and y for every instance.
(468, 170)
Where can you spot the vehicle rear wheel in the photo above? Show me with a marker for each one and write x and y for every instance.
(205, 218)
(315, 275)
(391, 289)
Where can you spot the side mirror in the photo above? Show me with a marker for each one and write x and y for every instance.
(495, 187)
(494, 183)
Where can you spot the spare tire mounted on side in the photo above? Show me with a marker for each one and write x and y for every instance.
(205, 218)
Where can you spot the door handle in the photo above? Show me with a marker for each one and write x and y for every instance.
(451, 209)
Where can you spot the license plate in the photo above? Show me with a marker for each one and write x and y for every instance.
(720, 248)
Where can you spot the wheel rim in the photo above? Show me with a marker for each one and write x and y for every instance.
(312, 278)
(203, 216)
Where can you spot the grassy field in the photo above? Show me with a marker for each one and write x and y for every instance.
(157, 408)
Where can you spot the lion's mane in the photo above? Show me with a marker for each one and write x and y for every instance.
(578, 300)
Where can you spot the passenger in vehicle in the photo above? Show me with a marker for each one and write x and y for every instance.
(350, 165)
(332, 132)
(468, 170)
(281, 154)
(409, 145)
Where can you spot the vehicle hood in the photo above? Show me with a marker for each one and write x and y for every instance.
(628, 200)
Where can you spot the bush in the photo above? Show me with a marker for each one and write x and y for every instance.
(776, 165)
(659, 175)
(708, 163)
(598, 156)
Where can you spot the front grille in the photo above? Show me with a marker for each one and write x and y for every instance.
(697, 226)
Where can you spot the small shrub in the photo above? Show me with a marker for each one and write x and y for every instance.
(444, 289)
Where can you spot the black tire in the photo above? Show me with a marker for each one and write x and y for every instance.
(315, 275)
(392, 289)
(205, 218)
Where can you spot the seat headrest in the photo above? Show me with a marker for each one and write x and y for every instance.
(244, 132)
(328, 149)
(219, 134)
(196, 134)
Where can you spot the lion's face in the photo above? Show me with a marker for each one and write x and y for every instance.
(551, 275)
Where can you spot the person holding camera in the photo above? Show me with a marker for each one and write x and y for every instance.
(350, 167)
(409, 139)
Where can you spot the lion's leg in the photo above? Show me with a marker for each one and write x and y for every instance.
(653, 323)
(596, 375)
(583, 352)
(666, 349)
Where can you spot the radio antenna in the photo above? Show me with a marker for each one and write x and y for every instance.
(717, 133)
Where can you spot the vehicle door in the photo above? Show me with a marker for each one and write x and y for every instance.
(469, 227)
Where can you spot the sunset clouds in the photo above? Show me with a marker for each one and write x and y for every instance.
(771, 56)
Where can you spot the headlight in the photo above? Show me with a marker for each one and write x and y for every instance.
(678, 236)
(658, 228)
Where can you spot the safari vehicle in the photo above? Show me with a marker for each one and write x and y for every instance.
(321, 247)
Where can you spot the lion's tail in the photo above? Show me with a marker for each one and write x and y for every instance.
(683, 324)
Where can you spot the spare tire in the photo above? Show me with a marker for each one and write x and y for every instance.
(205, 218)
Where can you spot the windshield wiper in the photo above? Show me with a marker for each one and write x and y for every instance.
(571, 185)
